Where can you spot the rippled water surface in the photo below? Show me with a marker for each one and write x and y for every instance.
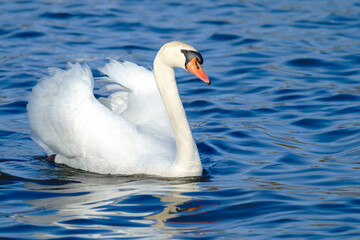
(278, 130)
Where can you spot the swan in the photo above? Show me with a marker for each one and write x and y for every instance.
(140, 128)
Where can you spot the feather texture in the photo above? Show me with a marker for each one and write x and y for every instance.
(85, 134)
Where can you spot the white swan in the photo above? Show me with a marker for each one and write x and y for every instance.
(140, 128)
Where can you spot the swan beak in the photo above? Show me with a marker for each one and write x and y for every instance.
(195, 68)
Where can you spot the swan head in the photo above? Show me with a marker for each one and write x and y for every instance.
(182, 55)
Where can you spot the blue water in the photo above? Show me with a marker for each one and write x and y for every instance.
(278, 130)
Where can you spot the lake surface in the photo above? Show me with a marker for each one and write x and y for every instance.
(278, 130)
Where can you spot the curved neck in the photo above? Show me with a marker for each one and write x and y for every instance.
(187, 156)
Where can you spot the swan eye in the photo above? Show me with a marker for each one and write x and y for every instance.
(189, 55)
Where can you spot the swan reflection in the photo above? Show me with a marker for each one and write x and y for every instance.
(114, 206)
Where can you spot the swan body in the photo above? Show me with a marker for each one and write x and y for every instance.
(140, 128)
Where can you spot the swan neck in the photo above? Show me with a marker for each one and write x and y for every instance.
(187, 156)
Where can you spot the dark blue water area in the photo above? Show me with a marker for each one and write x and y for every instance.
(278, 129)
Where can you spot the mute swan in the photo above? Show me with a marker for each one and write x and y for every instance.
(140, 128)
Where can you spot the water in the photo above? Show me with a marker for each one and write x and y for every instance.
(278, 130)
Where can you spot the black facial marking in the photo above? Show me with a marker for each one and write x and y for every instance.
(189, 55)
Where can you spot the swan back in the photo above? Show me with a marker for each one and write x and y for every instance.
(133, 94)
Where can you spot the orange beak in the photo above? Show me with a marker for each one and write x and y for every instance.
(195, 68)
